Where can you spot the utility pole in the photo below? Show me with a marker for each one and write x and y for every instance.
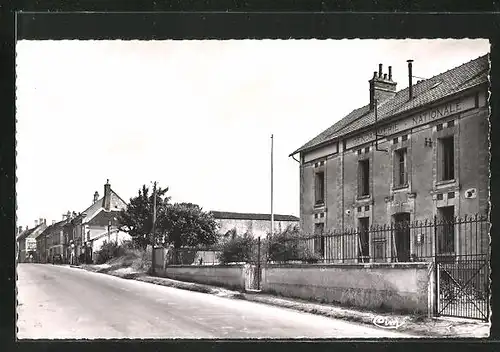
(154, 231)
(272, 210)
(109, 232)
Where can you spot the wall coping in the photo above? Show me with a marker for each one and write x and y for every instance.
(416, 265)
(205, 266)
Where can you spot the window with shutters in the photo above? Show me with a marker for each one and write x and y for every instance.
(446, 159)
(364, 236)
(319, 239)
(319, 188)
(400, 168)
(363, 178)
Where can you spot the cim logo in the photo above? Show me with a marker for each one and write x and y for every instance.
(387, 322)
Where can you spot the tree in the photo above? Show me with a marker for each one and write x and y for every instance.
(186, 224)
(137, 218)
(237, 249)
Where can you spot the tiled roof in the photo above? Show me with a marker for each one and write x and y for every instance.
(116, 202)
(447, 84)
(25, 234)
(251, 216)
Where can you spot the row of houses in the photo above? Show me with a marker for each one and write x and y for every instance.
(77, 236)
(74, 238)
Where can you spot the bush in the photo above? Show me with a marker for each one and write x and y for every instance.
(108, 251)
(290, 245)
(238, 249)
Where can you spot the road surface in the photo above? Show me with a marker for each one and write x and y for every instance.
(63, 302)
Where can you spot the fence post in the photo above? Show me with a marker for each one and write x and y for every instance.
(258, 263)
(436, 269)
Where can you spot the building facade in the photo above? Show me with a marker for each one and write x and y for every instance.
(26, 242)
(259, 225)
(414, 155)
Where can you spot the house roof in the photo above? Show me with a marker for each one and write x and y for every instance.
(252, 216)
(442, 86)
(51, 228)
(116, 203)
(25, 233)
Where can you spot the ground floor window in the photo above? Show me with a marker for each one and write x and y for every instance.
(445, 235)
(319, 239)
(364, 238)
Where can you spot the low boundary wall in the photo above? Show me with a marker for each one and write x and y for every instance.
(403, 287)
(397, 286)
(230, 276)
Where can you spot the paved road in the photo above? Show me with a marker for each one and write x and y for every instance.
(64, 302)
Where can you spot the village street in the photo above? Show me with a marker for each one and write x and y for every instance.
(64, 302)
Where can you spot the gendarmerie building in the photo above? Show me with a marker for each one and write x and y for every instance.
(416, 154)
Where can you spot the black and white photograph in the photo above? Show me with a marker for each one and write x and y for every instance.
(253, 189)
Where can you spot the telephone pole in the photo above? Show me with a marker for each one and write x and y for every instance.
(272, 210)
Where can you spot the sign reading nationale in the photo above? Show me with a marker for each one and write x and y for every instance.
(416, 120)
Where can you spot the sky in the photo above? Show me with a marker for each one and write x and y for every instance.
(196, 116)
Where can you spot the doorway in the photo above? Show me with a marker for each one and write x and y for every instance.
(402, 237)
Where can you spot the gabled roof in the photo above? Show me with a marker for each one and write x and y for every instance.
(52, 228)
(447, 84)
(25, 234)
(94, 209)
(251, 216)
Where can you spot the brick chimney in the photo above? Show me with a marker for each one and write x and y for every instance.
(36, 223)
(40, 221)
(107, 196)
(96, 197)
(382, 87)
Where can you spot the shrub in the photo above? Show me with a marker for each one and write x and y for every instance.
(238, 249)
(290, 245)
(108, 251)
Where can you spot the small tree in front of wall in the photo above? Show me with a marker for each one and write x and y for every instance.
(237, 249)
(290, 245)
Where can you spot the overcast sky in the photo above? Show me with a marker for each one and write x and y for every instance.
(196, 116)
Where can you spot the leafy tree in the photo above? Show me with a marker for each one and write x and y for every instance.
(290, 245)
(187, 225)
(238, 249)
(137, 218)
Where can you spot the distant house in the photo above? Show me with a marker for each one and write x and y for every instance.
(26, 241)
(52, 241)
(259, 225)
(98, 223)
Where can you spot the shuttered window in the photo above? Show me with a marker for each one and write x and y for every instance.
(319, 188)
(363, 177)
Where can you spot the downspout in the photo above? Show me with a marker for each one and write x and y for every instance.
(342, 185)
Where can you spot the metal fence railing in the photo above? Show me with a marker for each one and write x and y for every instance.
(437, 239)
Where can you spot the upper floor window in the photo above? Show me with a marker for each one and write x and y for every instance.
(446, 159)
(400, 167)
(363, 177)
(319, 188)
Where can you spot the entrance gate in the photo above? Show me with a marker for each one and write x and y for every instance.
(463, 288)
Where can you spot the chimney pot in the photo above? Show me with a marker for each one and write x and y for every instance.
(381, 88)
(410, 79)
(107, 196)
(96, 196)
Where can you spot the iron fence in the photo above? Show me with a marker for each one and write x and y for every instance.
(442, 240)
